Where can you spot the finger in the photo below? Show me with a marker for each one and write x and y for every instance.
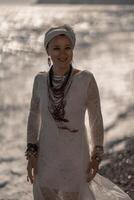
(34, 173)
(29, 170)
(89, 176)
(92, 174)
(35, 170)
(89, 168)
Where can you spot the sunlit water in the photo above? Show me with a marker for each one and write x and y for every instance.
(105, 37)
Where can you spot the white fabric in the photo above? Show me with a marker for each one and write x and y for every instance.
(102, 189)
(63, 155)
(55, 31)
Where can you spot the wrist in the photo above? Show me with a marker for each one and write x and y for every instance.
(97, 153)
(96, 158)
(99, 150)
(31, 151)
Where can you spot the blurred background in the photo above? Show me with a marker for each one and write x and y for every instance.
(105, 37)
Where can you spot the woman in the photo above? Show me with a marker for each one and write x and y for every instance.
(59, 163)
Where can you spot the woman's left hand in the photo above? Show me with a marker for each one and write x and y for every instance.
(92, 169)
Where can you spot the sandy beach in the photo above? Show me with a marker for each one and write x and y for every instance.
(105, 37)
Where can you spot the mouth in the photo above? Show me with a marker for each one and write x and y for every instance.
(62, 61)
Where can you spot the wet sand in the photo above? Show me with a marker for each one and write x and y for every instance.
(105, 37)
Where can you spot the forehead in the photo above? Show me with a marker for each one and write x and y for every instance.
(60, 39)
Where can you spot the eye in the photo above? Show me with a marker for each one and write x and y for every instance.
(68, 47)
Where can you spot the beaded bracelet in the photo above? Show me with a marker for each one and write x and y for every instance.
(32, 151)
(98, 153)
(99, 150)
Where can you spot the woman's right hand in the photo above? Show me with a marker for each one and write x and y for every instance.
(92, 169)
(32, 169)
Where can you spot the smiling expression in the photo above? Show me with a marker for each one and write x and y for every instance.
(61, 51)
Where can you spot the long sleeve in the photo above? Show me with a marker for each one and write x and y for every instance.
(94, 113)
(34, 114)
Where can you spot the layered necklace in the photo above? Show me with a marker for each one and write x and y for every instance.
(58, 87)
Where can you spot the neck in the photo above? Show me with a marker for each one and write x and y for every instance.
(60, 71)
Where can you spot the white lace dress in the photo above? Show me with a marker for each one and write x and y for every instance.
(64, 155)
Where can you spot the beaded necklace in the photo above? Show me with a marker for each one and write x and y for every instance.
(56, 108)
(65, 81)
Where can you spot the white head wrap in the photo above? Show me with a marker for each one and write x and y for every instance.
(55, 31)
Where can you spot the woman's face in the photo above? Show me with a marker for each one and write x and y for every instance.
(61, 51)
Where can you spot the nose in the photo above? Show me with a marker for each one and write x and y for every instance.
(63, 54)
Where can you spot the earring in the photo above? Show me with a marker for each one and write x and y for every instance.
(49, 61)
(72, 62)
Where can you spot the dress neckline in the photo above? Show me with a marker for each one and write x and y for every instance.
(74, 75)
(79, 72)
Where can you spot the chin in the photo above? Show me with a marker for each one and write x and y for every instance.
(63, 65)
